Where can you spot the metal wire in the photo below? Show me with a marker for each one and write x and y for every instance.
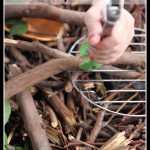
(98, 101)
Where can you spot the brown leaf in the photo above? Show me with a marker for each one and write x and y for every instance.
(41, 29)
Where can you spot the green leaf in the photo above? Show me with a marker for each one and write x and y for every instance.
(5, 141)
(11, 21)
(7, 111)
(13, 1)
(27, 145)
(19, 28)
(83, 48)
(5, 138)
(19, 148)
(89, 65)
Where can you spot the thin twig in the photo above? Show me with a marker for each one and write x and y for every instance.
(98, 125)
(36, 47)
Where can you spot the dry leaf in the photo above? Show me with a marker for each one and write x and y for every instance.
(41, 29)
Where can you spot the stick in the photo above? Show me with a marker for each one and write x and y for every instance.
(52, 115)
(126, 59)
(125, 75)
(98, 125)
(36, 47)
(59, 106)
(32, 122)
(39, 73)
(53, 67)
(19, 56)
(45, 11)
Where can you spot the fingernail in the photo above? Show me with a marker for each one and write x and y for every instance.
(91, 36)
(91, 57)
(94, 47)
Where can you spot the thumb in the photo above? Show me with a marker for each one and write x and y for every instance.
(93, 19)
(94, 39)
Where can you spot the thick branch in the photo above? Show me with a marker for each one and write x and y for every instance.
(45, 11)
(32, 122)
(39, 73)
(53, 67)
(127, 58)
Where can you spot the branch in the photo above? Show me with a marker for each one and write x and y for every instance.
(98, 125)
(127, 58)
(124, 75)
(39, 73)
(32, 122)
(53, 67)
(36, 47)
(56, 104)
(45, 11)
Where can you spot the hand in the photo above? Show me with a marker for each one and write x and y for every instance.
(110, 48)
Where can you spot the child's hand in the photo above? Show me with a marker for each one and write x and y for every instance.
(110, 48)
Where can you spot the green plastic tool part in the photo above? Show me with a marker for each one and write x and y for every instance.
(89, 64)
(83, 49)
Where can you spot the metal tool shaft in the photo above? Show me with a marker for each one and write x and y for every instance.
(111, 16)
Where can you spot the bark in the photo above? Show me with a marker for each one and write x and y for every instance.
(32, 122)
(53, 67)
(45, 11)
(39, 73)
(36, 47)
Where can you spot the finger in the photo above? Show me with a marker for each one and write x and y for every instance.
(119, 33)
(93, 23)
(107, 59)
(115, 49)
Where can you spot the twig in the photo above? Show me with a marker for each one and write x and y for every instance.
(59, 106)
(65, 40)
(133, 142)
(45, 11)
(32, 122)
(36, 47)
(59, 41)
(52, 84)
(61, 96)
(78, 137)
(88, 127)
(112, 95)
(80, 142)
(113, 130)
(131, 111)
(128, 121)
(126, 75)
(19, 56)
(69, 86)
(70, 103)
(133, 96)
(98, 125)
(53, 118)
